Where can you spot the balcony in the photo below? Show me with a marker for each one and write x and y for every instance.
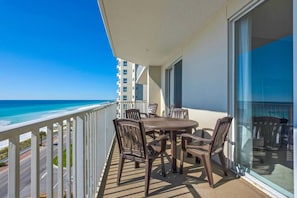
(89, 135)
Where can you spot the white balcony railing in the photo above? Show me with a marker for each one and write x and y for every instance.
(123, 105)
(87, 133)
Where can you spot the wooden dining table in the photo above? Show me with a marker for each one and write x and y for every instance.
(174, 125)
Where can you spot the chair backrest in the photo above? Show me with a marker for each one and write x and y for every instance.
(170, 110)
(219, 135)
(152, 108)
(179, 113)
(268, 128)
(133, 114)
(131, 139)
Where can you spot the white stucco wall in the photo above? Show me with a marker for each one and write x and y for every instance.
(205, 67)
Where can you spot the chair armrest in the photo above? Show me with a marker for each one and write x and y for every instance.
(186, 135)
(158, 139)
(161, 140)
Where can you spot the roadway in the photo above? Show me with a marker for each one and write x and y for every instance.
(25, 174)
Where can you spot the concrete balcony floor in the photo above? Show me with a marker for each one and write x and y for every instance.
(193, 183)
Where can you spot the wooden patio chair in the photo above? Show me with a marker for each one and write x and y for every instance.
(267, 132)
(151, 111)
(133, 146)
(179, 113)
(204, 149)
(135, 114)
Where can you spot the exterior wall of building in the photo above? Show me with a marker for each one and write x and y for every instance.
(155, 86)
(205, 78)
(205, 73)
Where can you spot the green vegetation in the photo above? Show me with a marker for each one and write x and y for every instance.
(23, 145)
(55, 160)
(3, 153)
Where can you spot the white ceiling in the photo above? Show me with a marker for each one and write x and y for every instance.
(149, 32)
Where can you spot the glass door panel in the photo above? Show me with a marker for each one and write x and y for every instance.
(264, 94)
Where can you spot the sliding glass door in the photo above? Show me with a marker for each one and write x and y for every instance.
(263, 69)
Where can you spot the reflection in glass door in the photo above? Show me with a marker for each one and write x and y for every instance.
(264, 94)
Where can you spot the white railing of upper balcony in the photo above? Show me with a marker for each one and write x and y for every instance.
(138, 104)
(90, 132)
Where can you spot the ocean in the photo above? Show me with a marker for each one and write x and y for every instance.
(16, 111)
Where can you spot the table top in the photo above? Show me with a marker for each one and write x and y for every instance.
(167, 123)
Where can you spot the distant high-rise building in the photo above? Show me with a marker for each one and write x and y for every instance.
(129, 92)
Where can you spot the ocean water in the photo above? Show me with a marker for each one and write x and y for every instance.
(17, 111)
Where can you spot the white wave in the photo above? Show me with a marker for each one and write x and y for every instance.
(4, 122)
(89, 106)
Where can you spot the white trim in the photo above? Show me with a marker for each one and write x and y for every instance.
(246, 9)
(262, 186)
(231, 78)
(295, 89)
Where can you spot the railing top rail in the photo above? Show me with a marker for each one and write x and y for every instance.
(23, 127)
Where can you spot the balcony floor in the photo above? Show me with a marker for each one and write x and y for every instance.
(193, 183)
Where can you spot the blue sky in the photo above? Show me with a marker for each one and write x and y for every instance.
(55, 50)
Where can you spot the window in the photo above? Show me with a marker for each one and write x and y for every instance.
(125, 106)
(125, 63)
(173, 85)
(125, 71)
(125, 80)
(124, 97)
(125, 89)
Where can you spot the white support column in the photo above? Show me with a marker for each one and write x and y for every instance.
(80, 161)
(14, 168)
(35, 161)
(49, 161)
(60, 158)
(74, 157)
(92, 154)
(68, 163)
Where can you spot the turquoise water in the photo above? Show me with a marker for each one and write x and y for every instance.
(16, 111)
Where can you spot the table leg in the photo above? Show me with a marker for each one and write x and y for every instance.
(173, 150)
(189, 131)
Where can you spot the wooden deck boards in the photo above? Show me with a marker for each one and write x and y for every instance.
(193, 183)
